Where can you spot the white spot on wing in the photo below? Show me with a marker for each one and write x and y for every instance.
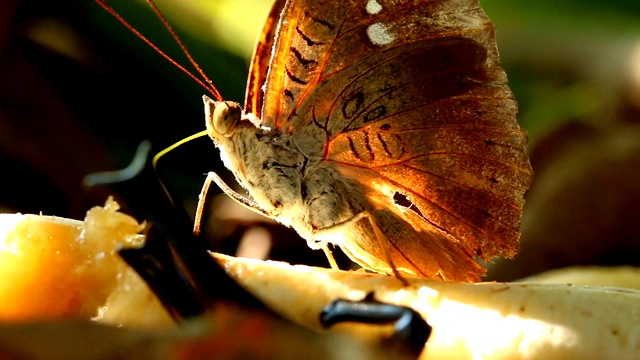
(373, 7)
(379, 35)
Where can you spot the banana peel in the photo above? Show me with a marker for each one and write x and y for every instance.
(614, 276)
(469, 321)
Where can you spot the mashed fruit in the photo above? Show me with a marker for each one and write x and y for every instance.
(54, 268)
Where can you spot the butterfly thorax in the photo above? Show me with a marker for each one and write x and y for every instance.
(299, 191)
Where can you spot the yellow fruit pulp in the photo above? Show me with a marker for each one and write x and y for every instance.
(53, 267)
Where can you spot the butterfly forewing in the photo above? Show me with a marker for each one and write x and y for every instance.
(260, 60)
(304, 39)
(408, 100)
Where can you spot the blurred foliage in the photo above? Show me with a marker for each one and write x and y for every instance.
(565, 60)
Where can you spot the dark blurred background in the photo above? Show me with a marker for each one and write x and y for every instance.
(79, 92)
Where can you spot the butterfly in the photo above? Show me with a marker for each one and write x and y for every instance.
(384, 127)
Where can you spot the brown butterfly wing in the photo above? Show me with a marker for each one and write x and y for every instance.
(260, 60)
(408, 99)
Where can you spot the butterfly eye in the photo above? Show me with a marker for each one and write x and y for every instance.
(221, 116)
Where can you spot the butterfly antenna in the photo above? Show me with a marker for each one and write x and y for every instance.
(214, 91)
(207, 84)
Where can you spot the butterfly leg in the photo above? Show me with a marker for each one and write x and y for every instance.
(329, 255)
(324, 235)
(384, 242)
(243, 201)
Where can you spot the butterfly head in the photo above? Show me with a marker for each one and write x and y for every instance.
(221, 117)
